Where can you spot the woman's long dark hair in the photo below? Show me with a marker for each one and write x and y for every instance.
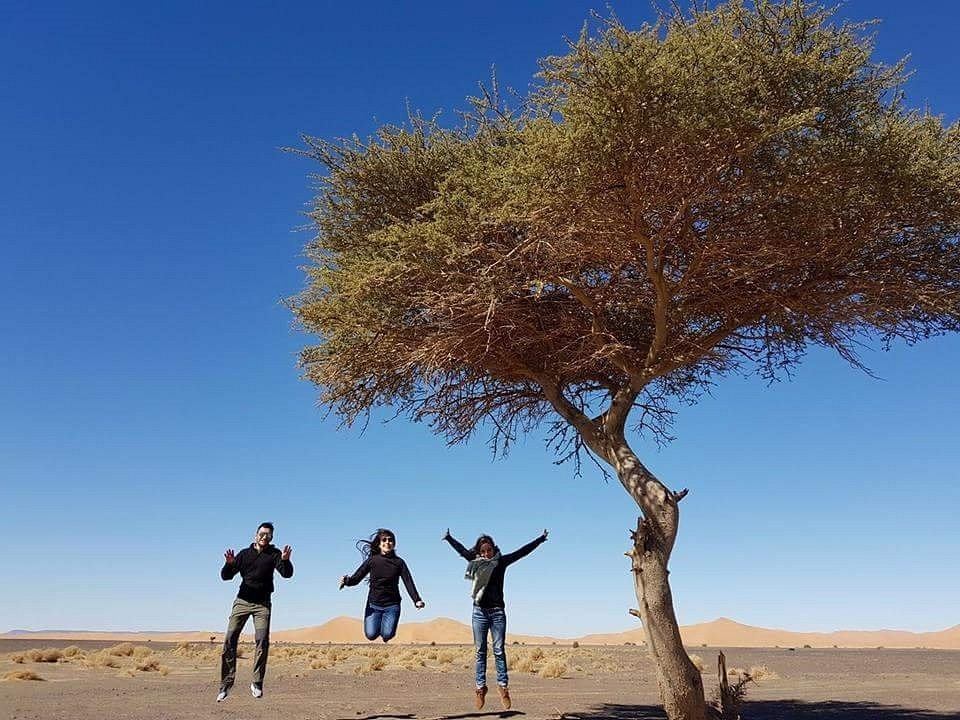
(372, 546)
(484, 539)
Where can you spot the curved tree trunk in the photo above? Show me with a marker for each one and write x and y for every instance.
(681, 687)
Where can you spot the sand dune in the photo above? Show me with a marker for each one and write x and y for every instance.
(722, 632)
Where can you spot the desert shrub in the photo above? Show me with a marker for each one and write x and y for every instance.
(121, 650)
(148, 665)
(522, 663)
(49, 655)
(575, 644)
(72, 651)
(21, 675)
(320, 664)
(806, 647)
(446, 656)
(697, 662)
(19, 659)
(164, 670)
(101, 658)
(762, 672)
(536, 654)
(141, 652)
(553, 668)
(736, 672)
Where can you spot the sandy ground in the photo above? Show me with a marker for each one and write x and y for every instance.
(368, 682)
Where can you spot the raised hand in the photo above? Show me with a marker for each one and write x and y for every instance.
(446, 534)
(420, 604)
(343, 582)
(287, 551)
(229, 557)
(545, 533)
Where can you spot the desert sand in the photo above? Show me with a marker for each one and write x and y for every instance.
(406, 682)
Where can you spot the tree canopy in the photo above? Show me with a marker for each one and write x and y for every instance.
(712, 192)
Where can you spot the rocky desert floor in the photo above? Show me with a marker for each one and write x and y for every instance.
(154, 681)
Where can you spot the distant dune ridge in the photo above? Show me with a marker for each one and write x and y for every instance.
(722, 632)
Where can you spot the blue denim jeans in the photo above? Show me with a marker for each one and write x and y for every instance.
(381, 621)
(493, 620)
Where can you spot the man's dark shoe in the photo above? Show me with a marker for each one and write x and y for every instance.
(481, 696)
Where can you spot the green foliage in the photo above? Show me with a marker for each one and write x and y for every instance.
(710, 192)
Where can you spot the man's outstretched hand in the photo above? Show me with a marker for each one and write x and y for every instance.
(287, 552)
(229, 557)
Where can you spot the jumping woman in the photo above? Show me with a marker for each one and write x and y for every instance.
(485, 569)
(385, 568)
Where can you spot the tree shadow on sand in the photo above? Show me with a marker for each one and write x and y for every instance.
(464, 716)
(777, 710)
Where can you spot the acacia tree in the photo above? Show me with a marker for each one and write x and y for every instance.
(711, 193)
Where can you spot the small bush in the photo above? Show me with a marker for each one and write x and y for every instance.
(21, 675)
(141, 652)
(522, 663)
(536, 654)
(121, 650)
(575, 644)
(553, 669)
(446, 656)
(19, 659)
(762, 672)
(72, 651)
(148, 665)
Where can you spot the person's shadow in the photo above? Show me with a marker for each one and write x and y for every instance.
(776, 710)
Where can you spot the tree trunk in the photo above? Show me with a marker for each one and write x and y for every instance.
(681, 687)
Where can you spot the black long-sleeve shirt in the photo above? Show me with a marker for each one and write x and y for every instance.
(385, 572)
(493, 595)
(256, 568)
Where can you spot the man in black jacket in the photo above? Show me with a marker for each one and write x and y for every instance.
(255, 565)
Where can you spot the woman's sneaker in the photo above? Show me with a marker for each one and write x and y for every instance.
(256, 689)
(504, 696)
(223, 694)
(481, 696)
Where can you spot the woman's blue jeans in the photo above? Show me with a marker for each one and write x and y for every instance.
(494, 621)
(381, 621)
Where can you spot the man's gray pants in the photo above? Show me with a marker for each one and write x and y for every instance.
(261, 624)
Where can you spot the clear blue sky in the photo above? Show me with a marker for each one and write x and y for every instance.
(151, 413)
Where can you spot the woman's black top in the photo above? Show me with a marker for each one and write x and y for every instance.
(493, 595)
(385, 572)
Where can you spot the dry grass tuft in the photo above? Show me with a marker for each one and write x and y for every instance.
(522, 663)
(72, 651)
(48, 655)
(101, 658)
(18, 658)
(21, 675)
(320, 664)
(121, 650)
(762, 672)
(445, 657)
(554, 668)
(141, 651)
(148, 665)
